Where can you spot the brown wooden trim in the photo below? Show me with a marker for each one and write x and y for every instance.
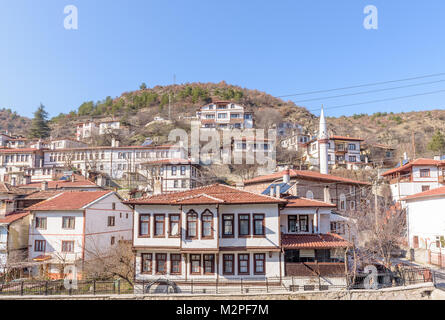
(223, 225)
(191, 264)
(69, 218)
(155, 223)
(170, 225)
(224, 265)
(248, 225)
(147, 222)
(248, 263)
(235, 249)
(44, 245)
(207, 212)
(171, 263)
(213, 263)
(161, 260)
(263, 224)
(188, 215)
(65, 242)
(255, 272)
(143, 264)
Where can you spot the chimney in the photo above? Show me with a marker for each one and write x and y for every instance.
(327, 195)
(73, 178)
(44, 186)
(286, 177)
(272, 191)
(157, 186)
(278, 192)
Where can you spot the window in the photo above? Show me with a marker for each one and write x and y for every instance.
(425, 173)
(175, 184)
(144, 225)
(174, 225)
(425, 188)
(244, 225)
(183, 184)
(40, 246)
(192, 225)
(113, 206)
(304, 223)
(111, 221)
(352, 147)
(338, 227)
(310, 195)
(207, 224)
(258, 225)
(159, 225)
(260, 263)
(352, 159)
(243, 264)
(209, 263)
(342, 202)
(228, 261)
(195, 264)
(161, 263)
(68, 223)
(67, 246)
(174, 169)
(183, 170)
(113, 241)
(175, 267)
(293, 224)
(228, 227)
(40, 223)
(147, 259)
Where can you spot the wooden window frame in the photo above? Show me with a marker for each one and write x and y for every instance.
(224, 264)
(263, 235)
(140, 224)
(425, 170)
(248, 264)
(159, 260)
(155, 225)
(191, 264)
(248, 225)
(189, 214)
(207, 213)
(177, 260)
(204, 263)
(255, 261)
(41, 242)
(232, 235)
(64, 243)
(69, 218)
(170, 225)
(111, 221)
(38, 227)
(296, 223)
(307, 225)
(143, 263)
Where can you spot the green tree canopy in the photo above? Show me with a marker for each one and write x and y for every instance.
(437, 143)
(39, 125)
(143, 86)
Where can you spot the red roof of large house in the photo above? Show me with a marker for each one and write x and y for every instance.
(7, 188)
(42, 195)
(69, 201)
(213, 194)
(313, 241)
(79, 182)
(10, 218)
(304, 174)
(417, 162)
(430, 193)
(308, 203)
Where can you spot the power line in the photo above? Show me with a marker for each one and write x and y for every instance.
(370, 91)
(362, 85)
(382, 100)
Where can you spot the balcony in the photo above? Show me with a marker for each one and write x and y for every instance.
(310, 269)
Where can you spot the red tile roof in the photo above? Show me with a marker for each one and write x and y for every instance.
(61, 184)
(168, 161)
(20, 150)
(213, 194)
(10, 218)
(304, 174)
(7, 188)
(42, 195)
(69, 201)
(417, 162)
(313, 241)
(430, 193)
(308, 203)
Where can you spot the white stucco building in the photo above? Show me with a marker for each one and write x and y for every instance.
(225, 115)
(73, 227)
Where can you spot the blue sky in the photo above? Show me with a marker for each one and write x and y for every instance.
(280, 47)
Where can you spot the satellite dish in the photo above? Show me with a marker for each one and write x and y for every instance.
(147, 142)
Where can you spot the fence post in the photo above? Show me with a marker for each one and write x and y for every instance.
(22, 286)
(46, 288)
(70, 290)
(114, 287)
(94, 287)
(267, 285)
(293, 284)
(217, 285)
(242, 285)
(119, 286)
(191, 286)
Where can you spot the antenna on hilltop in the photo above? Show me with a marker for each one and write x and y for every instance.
(170, 99)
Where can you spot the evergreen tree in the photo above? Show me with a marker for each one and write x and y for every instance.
(39, 125)
(437, 143)
(143, 86)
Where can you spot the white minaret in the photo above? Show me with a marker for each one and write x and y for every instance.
(323, 143)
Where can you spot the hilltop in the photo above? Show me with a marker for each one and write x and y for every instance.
(13, 123)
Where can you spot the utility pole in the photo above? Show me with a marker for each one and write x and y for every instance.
(376, 202)
(414, 145)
